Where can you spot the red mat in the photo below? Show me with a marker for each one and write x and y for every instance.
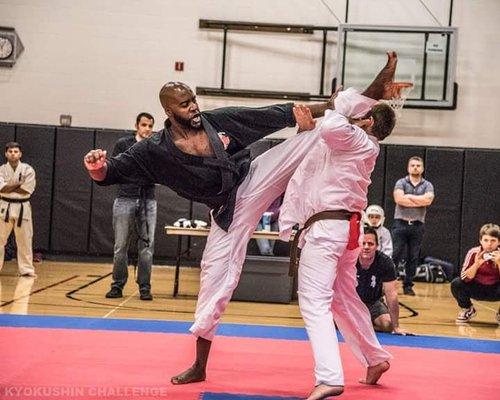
(120, 364)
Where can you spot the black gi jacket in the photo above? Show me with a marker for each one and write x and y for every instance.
(209, 180)
(131, 190)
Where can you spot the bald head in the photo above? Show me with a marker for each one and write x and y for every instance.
(169, 91)
(179, 103)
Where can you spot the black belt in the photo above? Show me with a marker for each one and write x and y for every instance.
(21, 212)
(294, 250)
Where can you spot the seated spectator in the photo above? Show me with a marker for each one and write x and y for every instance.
(377, 276)
(374, 216)
(480, 277)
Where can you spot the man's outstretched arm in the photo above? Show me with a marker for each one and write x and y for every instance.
(132, 166)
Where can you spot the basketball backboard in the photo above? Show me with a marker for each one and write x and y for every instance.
(427, 58)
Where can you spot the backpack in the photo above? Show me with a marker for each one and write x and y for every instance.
(449, 269)
(430, 273)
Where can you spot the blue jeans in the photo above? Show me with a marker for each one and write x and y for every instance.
(407, 240)
(129, 215)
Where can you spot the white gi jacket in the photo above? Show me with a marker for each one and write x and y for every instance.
(335, 175)
(9, 176)
(385, 240)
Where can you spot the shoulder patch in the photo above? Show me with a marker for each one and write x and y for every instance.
(156, 137)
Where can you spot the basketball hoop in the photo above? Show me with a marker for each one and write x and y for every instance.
(400, 92)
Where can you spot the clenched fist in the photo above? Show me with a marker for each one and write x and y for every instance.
(95, 159)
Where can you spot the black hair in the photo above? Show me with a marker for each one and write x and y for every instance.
(12, 145)
(384, 120)
(368, 230)
(144, 114)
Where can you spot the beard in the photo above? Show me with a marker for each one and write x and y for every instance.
(189, 123)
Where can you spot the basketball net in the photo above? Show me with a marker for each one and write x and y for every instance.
(400, 92)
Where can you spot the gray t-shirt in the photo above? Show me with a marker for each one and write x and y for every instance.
(412, 213)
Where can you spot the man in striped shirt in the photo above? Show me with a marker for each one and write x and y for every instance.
(480, 276)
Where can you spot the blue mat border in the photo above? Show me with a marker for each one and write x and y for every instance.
(231, 396)
(237, 330)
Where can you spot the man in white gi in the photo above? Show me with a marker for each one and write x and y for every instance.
(17, 183)
(326, 196)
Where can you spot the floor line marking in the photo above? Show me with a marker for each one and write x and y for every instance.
(121, 304)
(38, 290)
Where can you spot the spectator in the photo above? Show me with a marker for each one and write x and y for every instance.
(412, 194)
(480, 277)
(374, 217)
(376, 276)
(134, 209)
(17, 183)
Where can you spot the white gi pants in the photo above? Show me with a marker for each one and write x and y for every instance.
(225, 252)
(23, 234)
(327, 292)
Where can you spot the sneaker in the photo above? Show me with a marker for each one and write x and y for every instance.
(146, 295)
(114, 293)
(408, 290)
(466, 314)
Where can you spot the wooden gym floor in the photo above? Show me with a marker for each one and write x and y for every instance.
(78, 289)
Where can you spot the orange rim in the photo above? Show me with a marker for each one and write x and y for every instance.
(397, 87)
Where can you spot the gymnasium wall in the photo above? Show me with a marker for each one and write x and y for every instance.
(104, 61)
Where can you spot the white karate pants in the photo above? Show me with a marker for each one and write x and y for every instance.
(327, 292)
(23, 234)
(225, 252)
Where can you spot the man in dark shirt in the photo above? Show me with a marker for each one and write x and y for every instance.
(203, 157)
(134, 209)
(377, 277)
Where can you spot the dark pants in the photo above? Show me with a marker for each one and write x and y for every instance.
(407, 240)
(464, 291)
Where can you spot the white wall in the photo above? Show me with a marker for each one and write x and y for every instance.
(104, 61)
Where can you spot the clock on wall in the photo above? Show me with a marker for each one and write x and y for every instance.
(6, 47)
(10, 46)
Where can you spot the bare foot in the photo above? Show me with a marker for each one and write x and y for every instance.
(193, 374)
(381, 87)
(323, 391)
(374, 373)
